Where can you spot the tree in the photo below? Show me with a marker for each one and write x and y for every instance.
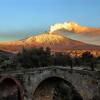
(77, 61)
(88, 59)
(62, 59)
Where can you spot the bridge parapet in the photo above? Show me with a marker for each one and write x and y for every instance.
(32, 70)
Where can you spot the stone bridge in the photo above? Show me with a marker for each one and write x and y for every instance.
(83, 84)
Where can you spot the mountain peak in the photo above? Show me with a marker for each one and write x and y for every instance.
(45, 38)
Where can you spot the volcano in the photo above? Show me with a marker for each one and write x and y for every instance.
(55, 41)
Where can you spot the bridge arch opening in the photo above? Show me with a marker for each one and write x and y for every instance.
(55, 88)
(10, 89)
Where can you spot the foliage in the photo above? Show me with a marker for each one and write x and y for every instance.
(62, 59)
(40, 57)
(35, 57)
(89, 60)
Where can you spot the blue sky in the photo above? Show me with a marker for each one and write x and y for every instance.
(22, 18)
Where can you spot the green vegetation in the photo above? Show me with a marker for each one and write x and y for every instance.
(41, 57)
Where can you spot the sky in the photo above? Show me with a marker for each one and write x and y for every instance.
(22, 18)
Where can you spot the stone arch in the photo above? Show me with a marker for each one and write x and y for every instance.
(56, 84)
(11, 82)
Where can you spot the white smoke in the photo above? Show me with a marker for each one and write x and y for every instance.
(87, 34)
(66, 25)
